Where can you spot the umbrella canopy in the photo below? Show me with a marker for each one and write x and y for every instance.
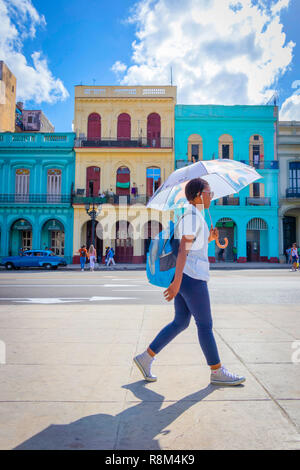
(224, 177)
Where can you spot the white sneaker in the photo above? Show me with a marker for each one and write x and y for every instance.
(222, 376)
(143, 362)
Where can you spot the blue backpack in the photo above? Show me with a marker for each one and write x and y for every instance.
(161, 257)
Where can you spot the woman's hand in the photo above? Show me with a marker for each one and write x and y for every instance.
(213, 234)
(172, 290)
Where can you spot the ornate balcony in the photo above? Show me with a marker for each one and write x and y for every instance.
(263, 165)
(258, 201)
(133, 142)
(293, 193)
(227, 201)
(112, 199)
(8, 199)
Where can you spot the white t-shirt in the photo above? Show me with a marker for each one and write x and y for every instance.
(193, 223)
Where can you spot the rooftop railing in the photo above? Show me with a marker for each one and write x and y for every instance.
(293, 192)
(258, 201)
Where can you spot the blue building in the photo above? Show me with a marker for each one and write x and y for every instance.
(37, 172)
(246, 133)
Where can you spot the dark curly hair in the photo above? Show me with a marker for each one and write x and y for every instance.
(194, 187)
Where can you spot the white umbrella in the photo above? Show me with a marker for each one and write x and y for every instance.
(224, 177)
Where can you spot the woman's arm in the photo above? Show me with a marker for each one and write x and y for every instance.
(184, 248)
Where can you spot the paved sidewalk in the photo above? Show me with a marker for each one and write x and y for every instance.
(142, 267)
(69, 381)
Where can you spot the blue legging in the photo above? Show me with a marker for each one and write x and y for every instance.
(82, 261)
(192, 299)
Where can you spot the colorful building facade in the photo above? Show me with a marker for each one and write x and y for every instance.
(289, 185)
(124, 150)
(245, 133)
(37, 173)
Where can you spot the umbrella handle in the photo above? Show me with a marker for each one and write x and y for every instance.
(222, 246)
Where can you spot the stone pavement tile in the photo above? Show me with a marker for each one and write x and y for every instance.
(70, 353)
(119, 321)
(63, 383)
(292, 407)
(199, 424)
(271, 334)
(267, 352)
(281, 380)
(50, 426)
(176, 383)
(69, 335)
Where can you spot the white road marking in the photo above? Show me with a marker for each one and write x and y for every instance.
(61, 300)
(68, 285)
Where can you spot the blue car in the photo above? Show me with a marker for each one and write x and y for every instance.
(33, 259)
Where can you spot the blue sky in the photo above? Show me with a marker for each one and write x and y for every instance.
(228, 52)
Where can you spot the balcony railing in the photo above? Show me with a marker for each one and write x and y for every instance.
(35, 199)
(114, 199)
(228, 201)
(133, 142)
(263, 165)
(293, 192)
(258, 201)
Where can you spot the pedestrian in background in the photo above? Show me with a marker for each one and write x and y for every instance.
(83, 256)
(92, 256)
(107, 248)
(111, 255)
(294, 257)
(220, 255)
(234, 251)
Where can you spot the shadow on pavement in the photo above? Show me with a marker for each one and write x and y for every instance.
(137, 427)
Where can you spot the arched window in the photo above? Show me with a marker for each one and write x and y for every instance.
(153, 130)
(123, 181)
(256, 150)
(94, 127)
(124, 127)
(92, 181)
(226, 146)
(195, 148)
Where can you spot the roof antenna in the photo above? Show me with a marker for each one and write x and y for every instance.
(171, 76)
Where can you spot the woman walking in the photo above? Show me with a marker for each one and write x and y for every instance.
(92, 256)
(189, 288)
(294, 257)
(83, 255)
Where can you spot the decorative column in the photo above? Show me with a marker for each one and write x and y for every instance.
(241, 242)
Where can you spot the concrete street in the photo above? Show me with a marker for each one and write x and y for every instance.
(68, 381)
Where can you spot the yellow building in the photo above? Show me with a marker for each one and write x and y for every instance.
(7, 99)
(124, 151)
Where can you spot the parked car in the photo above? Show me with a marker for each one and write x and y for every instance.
(33, 259)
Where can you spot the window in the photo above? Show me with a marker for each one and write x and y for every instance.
(195, 152)
(256, 192)
(22, 185)
(29, 120)
(256, 150)
(124, 127)
(294, 176)
(153, 130)
(27, 239)
(58, 242)
(123, 181)
(256, 137)
(53, 185)
(225, 151)
(153, 180)
(226, 146)
(94, 127)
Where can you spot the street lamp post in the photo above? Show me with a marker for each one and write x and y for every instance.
(93, 212)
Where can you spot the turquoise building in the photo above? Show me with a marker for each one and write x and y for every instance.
(245, 133)
(37, 172)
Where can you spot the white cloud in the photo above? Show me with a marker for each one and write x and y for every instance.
(221, 51)
(118, 67)
(290, 109)
(19, 20)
